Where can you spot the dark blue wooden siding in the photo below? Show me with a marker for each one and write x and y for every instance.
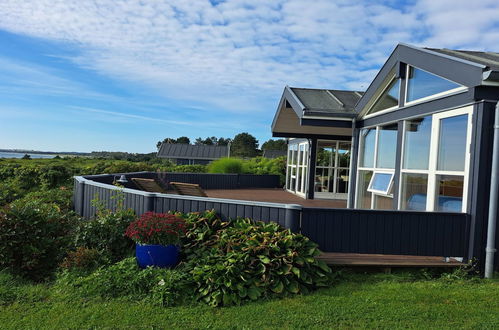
(387, 232)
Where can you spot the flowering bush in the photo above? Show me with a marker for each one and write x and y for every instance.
(156, 228)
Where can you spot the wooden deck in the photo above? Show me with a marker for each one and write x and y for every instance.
(274, 196)
(385, 260)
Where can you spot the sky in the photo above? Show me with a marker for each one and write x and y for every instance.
(119, 75)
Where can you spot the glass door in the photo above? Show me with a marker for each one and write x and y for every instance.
(332, 169)
(449, 161)
(297, 168)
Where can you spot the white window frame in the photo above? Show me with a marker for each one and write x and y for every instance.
(385, 192)
(449, 92)
(432, 172)
(333, 165)
(299, 161)
(373, 169)
(385, 88)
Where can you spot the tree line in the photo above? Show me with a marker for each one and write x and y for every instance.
(242, 145)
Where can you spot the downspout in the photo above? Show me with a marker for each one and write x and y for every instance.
(350, 170)
(494, 194)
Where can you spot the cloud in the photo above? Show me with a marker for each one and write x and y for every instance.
(237, 55)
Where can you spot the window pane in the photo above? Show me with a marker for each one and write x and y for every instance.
(368, 138)
(387, 146)
(383, 203)
(452, 143)
(422, 84)
(364, 197)
(325, 155)
(413, 194)
(342, 181)
(322, 179)
(389, 99)
(381, 181)
(344, 154)
(450, 193)
(417, 143)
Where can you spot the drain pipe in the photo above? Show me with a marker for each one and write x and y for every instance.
(494, 195)
(353, 152)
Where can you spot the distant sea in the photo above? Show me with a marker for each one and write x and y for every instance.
(21, 154)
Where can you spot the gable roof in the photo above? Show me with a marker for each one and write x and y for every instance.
(468, 68)
(489, 59)
(189, 151)
(325, 113)
(326, 102)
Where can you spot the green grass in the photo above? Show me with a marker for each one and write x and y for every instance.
(358, 301)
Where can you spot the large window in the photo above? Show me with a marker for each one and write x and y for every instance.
(422, 84)
(332, 168)
(389, 98)
(378, 148)
(435, 162)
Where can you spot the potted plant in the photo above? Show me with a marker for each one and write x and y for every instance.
(157, 238)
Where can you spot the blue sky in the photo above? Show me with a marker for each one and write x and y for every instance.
(121, 75)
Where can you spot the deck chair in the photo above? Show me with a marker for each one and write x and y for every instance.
(190, 189)
(149, 185)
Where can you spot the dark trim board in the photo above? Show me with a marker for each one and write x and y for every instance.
(312, 136)
(421, 109)
(326, 123)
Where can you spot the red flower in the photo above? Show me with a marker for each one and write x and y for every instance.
(156, 228)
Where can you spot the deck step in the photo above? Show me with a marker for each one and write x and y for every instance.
(386, 260)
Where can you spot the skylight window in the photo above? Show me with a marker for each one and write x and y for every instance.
(422, 84)
(389, 98)
(381, 183)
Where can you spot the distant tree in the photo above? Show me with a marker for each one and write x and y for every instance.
(167, 140)
(183, 139)
(244, 145)
(223, 141)
(26, 156)
(274, 145)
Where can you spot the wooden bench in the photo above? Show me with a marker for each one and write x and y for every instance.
(189, 189)
(149, 185)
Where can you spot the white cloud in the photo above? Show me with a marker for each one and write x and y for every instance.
(239, 54)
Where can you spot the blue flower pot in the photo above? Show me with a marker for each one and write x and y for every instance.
(157, 255)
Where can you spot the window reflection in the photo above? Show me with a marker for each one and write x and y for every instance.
(387, 146)
(422, 84)
(452, 143)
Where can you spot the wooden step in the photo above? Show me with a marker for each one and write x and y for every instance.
(386, 260)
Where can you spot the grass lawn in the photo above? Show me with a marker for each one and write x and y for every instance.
(358, 301)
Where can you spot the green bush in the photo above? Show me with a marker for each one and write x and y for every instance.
(226, 165)
(125, 279)
(262, 165)
(106, 232)
(232, 262)
(61, 196)
(34, 237)
(82, 259)
(9, 192)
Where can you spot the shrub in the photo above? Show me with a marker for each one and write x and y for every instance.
(125, 279)
(262, 165)
(9, 192)
(226, 165)
(60, 196)
(156, 228)
(106, 232)
(83, 259)
(34, 237)
(242, 260)
(188, 169)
